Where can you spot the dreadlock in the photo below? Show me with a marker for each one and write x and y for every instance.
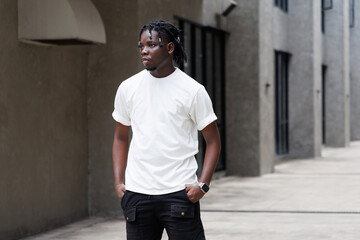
(172, 34)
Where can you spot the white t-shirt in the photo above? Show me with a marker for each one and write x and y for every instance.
(165, 115)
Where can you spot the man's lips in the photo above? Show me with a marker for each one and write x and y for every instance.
(145, 60)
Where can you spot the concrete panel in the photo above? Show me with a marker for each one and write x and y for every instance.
(355, 76)
(266, 87)
(304, 79)
(280, 29)
(108, 66)
(242, 90)
(43, 133)
(317, 78)
(337, 75)
(249, 89)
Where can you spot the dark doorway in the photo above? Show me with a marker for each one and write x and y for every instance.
(205, 49)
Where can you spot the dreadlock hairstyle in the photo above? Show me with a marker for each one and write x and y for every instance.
(171, 33)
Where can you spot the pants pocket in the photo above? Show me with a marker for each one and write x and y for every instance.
(186, 196)
(182, 211)
(130, 214)
(122, 204)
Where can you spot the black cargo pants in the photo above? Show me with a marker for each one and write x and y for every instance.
(148, 215)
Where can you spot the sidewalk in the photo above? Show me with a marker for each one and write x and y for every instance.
(310, 199)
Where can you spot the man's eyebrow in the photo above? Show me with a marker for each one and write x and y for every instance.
(148, 42)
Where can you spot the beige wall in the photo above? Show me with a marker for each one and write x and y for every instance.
(108, 66)
(43, 132)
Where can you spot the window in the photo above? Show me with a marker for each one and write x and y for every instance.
(323, 89)
(205, 49)
(325, 5)
(282, 4)
(351, 13)
(281, 103)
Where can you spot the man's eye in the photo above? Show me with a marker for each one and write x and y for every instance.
(152, 45)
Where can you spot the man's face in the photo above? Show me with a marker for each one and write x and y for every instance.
(153, 56)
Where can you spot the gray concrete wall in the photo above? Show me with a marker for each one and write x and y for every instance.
(43, 132)
(337, 75)
(108, 66)
(355, 76)
(249, 118)
(280, 29)
(317, 78)
(304, 42)
(241, 90)
(266, 87)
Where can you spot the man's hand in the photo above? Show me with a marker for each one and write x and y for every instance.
(120, 190)
(194, 193)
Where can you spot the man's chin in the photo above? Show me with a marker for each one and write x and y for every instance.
(150, 69)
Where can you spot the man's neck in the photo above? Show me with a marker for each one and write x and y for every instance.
(162, 72)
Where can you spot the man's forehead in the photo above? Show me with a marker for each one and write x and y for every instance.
(147, 34)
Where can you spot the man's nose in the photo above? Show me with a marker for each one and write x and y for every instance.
(144, 51)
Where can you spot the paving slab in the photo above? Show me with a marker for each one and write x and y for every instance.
(303, 199)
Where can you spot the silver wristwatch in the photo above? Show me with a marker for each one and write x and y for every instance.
(204, 187)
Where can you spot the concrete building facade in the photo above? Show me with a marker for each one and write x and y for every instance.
(283, 76)
(337, 62)
(354, 74)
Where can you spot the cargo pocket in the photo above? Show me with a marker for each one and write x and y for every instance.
(130, 214)
(182, 211)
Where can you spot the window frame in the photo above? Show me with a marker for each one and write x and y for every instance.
(282, 4)
(281, 95)
(351, 13)
(324, 8)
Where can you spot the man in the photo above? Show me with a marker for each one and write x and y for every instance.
(155, 175)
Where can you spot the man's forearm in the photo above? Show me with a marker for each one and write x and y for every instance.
(210, 162)
(120, 151)
(213, 146)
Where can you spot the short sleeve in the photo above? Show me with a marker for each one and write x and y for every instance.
(201, 110)
(121, 112)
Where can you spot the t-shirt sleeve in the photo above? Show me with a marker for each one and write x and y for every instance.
(201, 110)
(121, 110)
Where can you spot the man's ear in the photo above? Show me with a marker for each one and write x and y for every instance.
(170, 47)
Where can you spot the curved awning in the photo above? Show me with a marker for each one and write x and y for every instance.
(60, 22)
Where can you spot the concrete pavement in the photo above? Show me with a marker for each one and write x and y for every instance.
(310, 199)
